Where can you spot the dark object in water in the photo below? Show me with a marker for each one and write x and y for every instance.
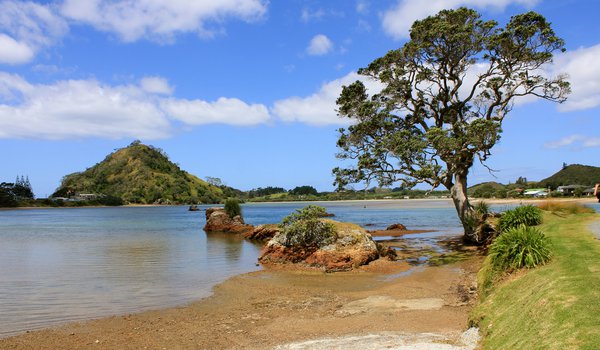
(396, 227)
(194, 207)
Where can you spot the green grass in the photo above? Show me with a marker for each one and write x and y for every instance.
(556, 306)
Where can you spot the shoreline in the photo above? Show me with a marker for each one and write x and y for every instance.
(276, 306)
(493, 201)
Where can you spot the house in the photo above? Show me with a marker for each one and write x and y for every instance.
(536, 192)
(570, 189)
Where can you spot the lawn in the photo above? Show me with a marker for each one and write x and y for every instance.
(556, 306)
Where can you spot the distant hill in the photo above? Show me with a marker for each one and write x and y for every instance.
(574, 174)
(485, 189)
(142, 174)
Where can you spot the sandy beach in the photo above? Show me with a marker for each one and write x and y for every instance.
(266, 309)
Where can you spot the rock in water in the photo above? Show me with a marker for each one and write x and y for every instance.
(351, 248)
(262, 232)
(398, 227)
(217, 220)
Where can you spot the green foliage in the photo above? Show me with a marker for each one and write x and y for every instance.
(140, 174)
(232, 207)
(528, 215)
(304, 190)
(482, 208)
(304, 228)
(7, 195)
(520, 247)
(574, 174)
(421, 127)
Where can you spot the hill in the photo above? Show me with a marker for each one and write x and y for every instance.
(574, 174)
(142, 174)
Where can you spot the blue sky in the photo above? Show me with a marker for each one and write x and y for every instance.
(244, 90)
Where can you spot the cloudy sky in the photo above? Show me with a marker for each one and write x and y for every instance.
(245, 90)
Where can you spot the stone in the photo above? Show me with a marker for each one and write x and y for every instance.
(262, 232)
(352, 248)
(217, 220)
(398, 227)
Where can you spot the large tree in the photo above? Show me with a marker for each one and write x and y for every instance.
(444, 96)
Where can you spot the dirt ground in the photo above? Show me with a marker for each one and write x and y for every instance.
(265, 309)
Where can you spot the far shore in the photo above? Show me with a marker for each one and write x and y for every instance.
(582, 200)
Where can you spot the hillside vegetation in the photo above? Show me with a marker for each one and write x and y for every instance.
(574, 174)
(141, 174)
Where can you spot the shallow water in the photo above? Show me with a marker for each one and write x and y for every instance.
(60, 265)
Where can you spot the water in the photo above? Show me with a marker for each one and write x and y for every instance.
(60, 265)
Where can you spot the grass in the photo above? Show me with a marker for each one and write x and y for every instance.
(565, 207)
(527, 215)
(556, 306)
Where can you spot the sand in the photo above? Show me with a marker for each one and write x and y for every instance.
(385, 304)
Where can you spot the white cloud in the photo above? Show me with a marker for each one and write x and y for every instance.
(320, 108)
(362, 6)
(231, 111)
(156, 85)
(319, 45)
(583, 69)
(398, 20)
(574, 140)
(161, 19)
(88, 108)
(309, 15)
(14, 52)
(25, 28)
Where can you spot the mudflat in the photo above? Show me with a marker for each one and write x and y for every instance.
(271, 308)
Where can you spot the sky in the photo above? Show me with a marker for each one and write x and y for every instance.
(245, 90)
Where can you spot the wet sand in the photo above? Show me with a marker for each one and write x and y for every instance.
(265, 309)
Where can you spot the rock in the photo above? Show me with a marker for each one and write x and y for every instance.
(217, 220)
(398, 227)
(327, 215)
(262, 232)
(352, 248)
(386, 252)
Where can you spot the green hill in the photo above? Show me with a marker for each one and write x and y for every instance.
(141, 174)
(574, 174)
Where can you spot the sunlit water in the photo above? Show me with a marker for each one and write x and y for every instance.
(60, 265)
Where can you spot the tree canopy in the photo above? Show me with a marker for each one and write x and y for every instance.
(444, 96)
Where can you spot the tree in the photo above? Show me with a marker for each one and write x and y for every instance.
(304, 190)
(444, 96)
(215, 181)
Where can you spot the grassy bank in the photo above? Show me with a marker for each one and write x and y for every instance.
(556, 306)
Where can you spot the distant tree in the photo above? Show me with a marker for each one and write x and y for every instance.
(215, 181)
(7, 196)
(522, 181)
(564, 166)
(445, 95)
(304, 190)
(259, 192)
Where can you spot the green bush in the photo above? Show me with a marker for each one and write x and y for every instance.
(520, 247)
(482, 208)
(305, 228)
(527, 215)
(232, 207)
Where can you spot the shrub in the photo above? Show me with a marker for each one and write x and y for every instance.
(520, 247)
(305, 228)
(527, 215)
(232, 207)
(565, 207)
(482, 208)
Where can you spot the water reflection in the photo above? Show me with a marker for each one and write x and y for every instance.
(59, 265)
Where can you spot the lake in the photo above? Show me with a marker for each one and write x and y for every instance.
(67, 264)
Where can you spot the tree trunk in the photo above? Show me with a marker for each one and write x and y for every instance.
(458, 191)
